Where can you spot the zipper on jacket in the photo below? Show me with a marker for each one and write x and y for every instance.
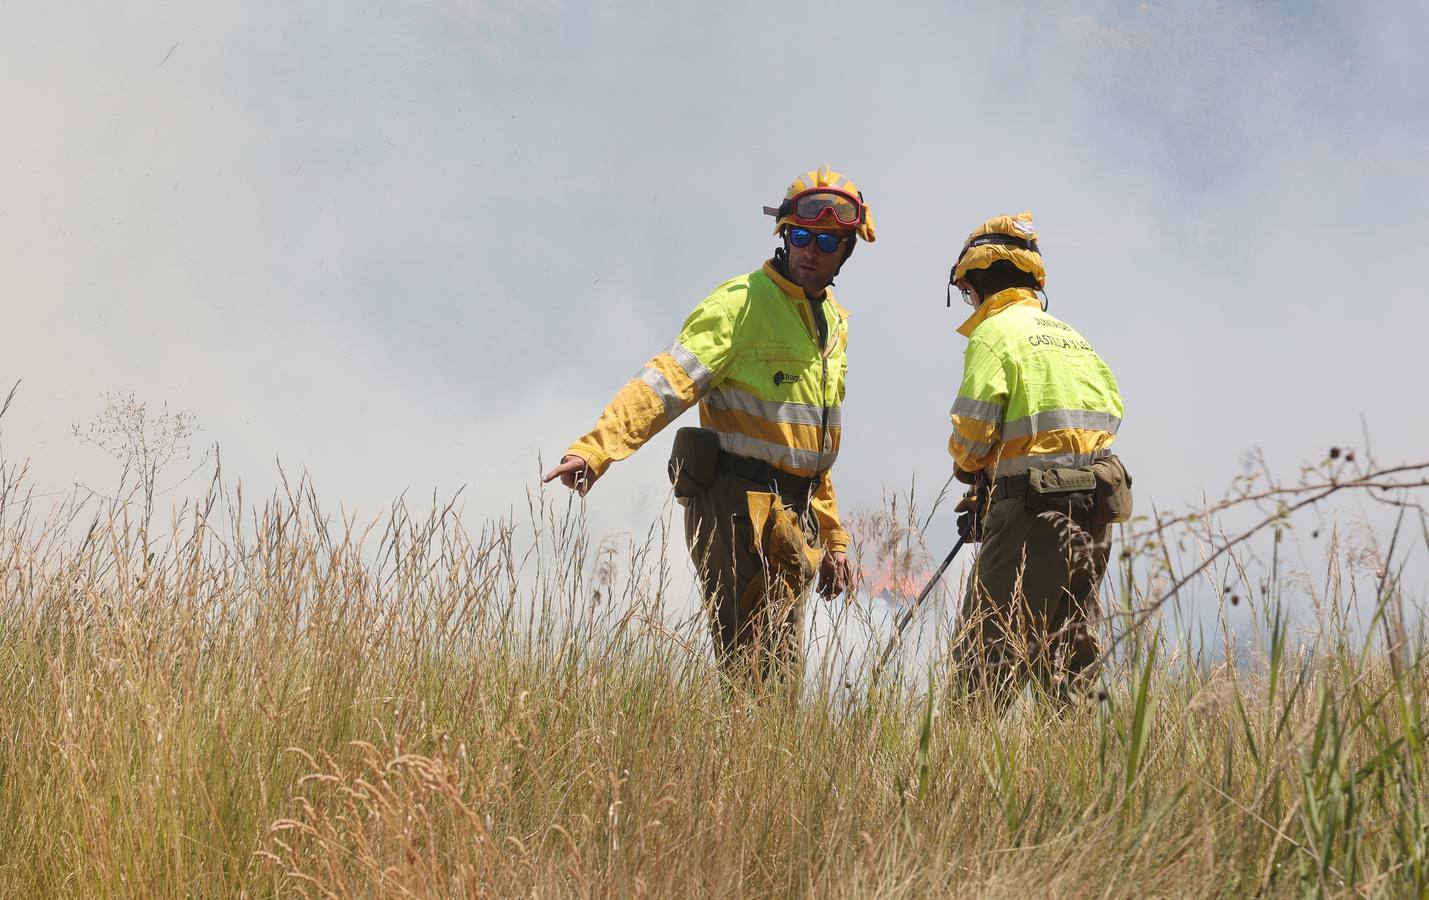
(824, 401)
(822, 333)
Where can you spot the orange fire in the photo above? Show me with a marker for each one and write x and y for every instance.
(882, 580)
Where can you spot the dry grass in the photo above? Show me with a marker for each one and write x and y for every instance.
(267, 702)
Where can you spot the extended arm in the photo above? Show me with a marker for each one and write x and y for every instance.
(670, 383)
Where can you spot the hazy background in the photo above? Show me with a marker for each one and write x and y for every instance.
(412, 246)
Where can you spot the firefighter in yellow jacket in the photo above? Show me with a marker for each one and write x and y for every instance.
(1032, 427)
(764, 357)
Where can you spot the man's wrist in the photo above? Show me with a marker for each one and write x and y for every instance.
(965, 476)
(593, 457)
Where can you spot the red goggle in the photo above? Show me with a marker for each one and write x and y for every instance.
(815, 204)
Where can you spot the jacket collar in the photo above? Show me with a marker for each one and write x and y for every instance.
(997, 303)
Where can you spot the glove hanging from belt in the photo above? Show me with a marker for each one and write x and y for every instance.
(794, 489)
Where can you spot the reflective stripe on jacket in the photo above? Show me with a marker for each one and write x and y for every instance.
(1034, 393)
(749, 355)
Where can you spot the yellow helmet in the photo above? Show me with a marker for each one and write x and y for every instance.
(823, 198)
(1013, 238)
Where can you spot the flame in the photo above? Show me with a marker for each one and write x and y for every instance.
(901, 587)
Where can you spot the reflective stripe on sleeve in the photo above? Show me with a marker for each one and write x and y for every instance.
(674, 404)
(692, 366)
(971, 449)
(1049, 420)
(981, 410)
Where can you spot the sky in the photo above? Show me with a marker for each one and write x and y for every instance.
(414, 247)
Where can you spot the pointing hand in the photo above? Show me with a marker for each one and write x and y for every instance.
(574, 473)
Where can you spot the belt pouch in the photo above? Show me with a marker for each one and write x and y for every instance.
(693, 459)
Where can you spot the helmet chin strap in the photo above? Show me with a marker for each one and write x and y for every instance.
(967, 296)
(848, 251)
(1045, 301)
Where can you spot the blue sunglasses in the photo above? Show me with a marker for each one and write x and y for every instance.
(827, 242)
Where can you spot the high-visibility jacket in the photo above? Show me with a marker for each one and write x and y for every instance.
(1034, 392)
(750, 356)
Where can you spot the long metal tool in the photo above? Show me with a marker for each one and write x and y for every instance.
(907, 615)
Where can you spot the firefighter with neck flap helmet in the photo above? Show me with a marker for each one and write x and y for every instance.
(1032, 429)
(763, 356)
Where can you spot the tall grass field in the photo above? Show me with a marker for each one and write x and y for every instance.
(265, 699)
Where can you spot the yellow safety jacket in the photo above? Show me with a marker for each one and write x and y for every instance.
(749, 355)
(1035, 395)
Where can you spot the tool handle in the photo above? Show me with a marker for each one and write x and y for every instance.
(907, 615)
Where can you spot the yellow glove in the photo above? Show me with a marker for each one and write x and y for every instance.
(968, 502)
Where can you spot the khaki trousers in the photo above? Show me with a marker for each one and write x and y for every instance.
(755, 561)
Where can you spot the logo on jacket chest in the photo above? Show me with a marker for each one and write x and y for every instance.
(782, 378)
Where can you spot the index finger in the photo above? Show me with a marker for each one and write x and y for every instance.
(561, 468)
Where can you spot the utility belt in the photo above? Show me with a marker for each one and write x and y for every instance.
(1100, 490)
(1009, 487)
(794, 489)
(781, 531)
(696, 457)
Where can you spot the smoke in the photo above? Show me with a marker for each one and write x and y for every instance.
(415, 247)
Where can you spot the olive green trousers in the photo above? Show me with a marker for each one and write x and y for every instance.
(755, 562)
(1030, 606)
